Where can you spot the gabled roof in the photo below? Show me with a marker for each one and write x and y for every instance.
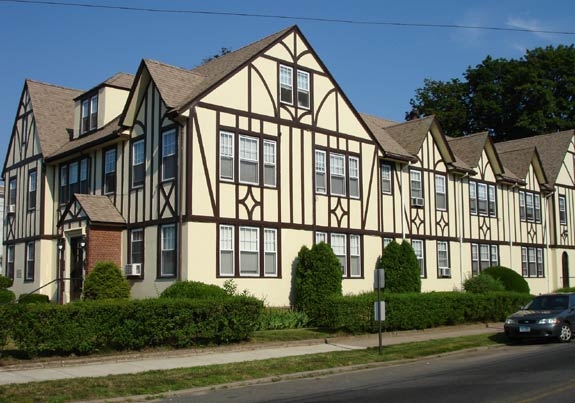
(551, 149)
(53, 108)
(120, 80)
(99, 209)
(411, 135)
(391, 148)
(174, 83)
(469, 148)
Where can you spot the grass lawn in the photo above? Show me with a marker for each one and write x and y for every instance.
(160, 383)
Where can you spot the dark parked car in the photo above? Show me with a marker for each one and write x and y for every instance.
(546, 316)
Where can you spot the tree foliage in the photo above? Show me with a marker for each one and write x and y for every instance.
(402, 271)
(317, 277)
(483, 283)
(511, 280)
(193, 289)
(509, 98)
(106, 281)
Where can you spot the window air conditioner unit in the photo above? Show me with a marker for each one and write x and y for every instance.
(444, 272)
(417, 201)
(133, 270)
(11, 209)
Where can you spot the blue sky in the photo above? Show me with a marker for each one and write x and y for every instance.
(379, 67)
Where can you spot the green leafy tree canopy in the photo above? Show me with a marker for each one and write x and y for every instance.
(509, 98)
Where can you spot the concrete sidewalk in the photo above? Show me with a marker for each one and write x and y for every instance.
(141, 362)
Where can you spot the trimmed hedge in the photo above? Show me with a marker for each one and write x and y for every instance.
(5, 282)
(282, 318)
(512, 281)
(7, 296)
(193, 289)
(90, 326)
(408, 311)
(105, 281)
(33, 299)
(483, 283)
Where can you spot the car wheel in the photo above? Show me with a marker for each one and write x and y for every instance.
(566, 333)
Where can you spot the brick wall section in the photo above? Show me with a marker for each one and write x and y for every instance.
(103, 244)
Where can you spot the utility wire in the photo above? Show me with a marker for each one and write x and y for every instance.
(285, 17)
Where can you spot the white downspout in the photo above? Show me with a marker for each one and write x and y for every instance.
(511, 222)
(546, 236)
(402, 212)
(460, 225)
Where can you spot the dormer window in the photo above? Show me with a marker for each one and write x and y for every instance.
(89, 114)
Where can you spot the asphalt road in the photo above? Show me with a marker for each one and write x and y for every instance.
(520, 374)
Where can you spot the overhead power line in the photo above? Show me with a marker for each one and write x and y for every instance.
(285, 17)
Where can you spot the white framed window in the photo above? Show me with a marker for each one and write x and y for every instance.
(522, 213)
(537, 206)
(353, 177)
(354, 256)
(418, 248)
(226, 156)
(320, 237)
(338, 245)
(337, 174)
(270, 252)
(168, 250)
(529, 207)
(226, 250)
(32, 183)
(482, 203)
(85, 116)
(562, 210)
(474, 259)
(269, 163)
(524, 262)
(137, 245)
(89, 114)
(73, 179)
(440, 192)
(169, 154)
(532, 264)
(386, 180)
(303, 98)
(110, 171)
(492, 201)
(484, 256)
(249, 160)
(138, 166)
(443, 258)
(494, 255)
(286, 84)
(416, 186)
(532, 256)
(249, 251)
(473, 197)
(30, 261)
(10, 261)
(320, 183)
(540, 268)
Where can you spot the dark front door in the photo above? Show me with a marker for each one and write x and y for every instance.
(565, 264)
(76, 269)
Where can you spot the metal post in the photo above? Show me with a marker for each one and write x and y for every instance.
(379, 308)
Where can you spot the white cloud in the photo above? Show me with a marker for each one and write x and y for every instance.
(530, 25)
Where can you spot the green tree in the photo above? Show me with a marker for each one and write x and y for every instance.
(402, 271)
(106, 281)
(510, 98)
(317, 277)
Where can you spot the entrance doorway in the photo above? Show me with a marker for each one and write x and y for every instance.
(76, 268)
(565, 264)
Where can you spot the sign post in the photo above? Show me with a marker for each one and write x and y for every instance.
(379, 306)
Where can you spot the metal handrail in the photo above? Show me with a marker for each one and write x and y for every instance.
(39, 288)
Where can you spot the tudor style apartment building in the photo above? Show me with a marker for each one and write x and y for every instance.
(227, 170)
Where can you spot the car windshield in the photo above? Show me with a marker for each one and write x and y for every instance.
(549, 303)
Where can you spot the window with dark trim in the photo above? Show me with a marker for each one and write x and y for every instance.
(168, 250)
(483, 256)
(110, 171)
(418, 246)
(386, 178)
(344, 174)
(89, 113)
(32, 183)
(532, 264)
(562, 210)
(529, 206)
(74, 178)
(416, 188)
(347, 248)
(30, 261)
(12, 191)
(256, 251)
(440, 192)
(10, 261)
(138, 163)
(169, 162)
(443, 270)
(482, 199)
(137, 246)
(302, 84)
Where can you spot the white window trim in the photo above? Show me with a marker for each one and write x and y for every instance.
(288, 70)
(230, 157)
(439, 193)
(255, 161)
(385, 179)
(272, 164)
(231, 230)
(344, 268)
(271, 252)
(170, 132)
(354, 177)
(355, 255)
(256, 251)
(303, 89)
(412, 181)
(332, 174)
(137, 164)
(562, 210)
(421, 257)
(320, 169)
(162, 250)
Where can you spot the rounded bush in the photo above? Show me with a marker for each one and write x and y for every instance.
(193, 289)
(106, 281)
(7, 296)
(33, 299)
(482, 284)
(512, 281)
(5, 282)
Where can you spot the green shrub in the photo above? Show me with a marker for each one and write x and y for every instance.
(193, 289)
(273, 318)
(402, 271)
(317, 277)
(106, 281)
(483, 283)
(408, 311)
(5, 282)
(565, 289)
(6, 296)
(33, 299)
(512, 281)
(86, 327)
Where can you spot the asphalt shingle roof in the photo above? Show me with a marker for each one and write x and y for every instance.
(99, 209)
